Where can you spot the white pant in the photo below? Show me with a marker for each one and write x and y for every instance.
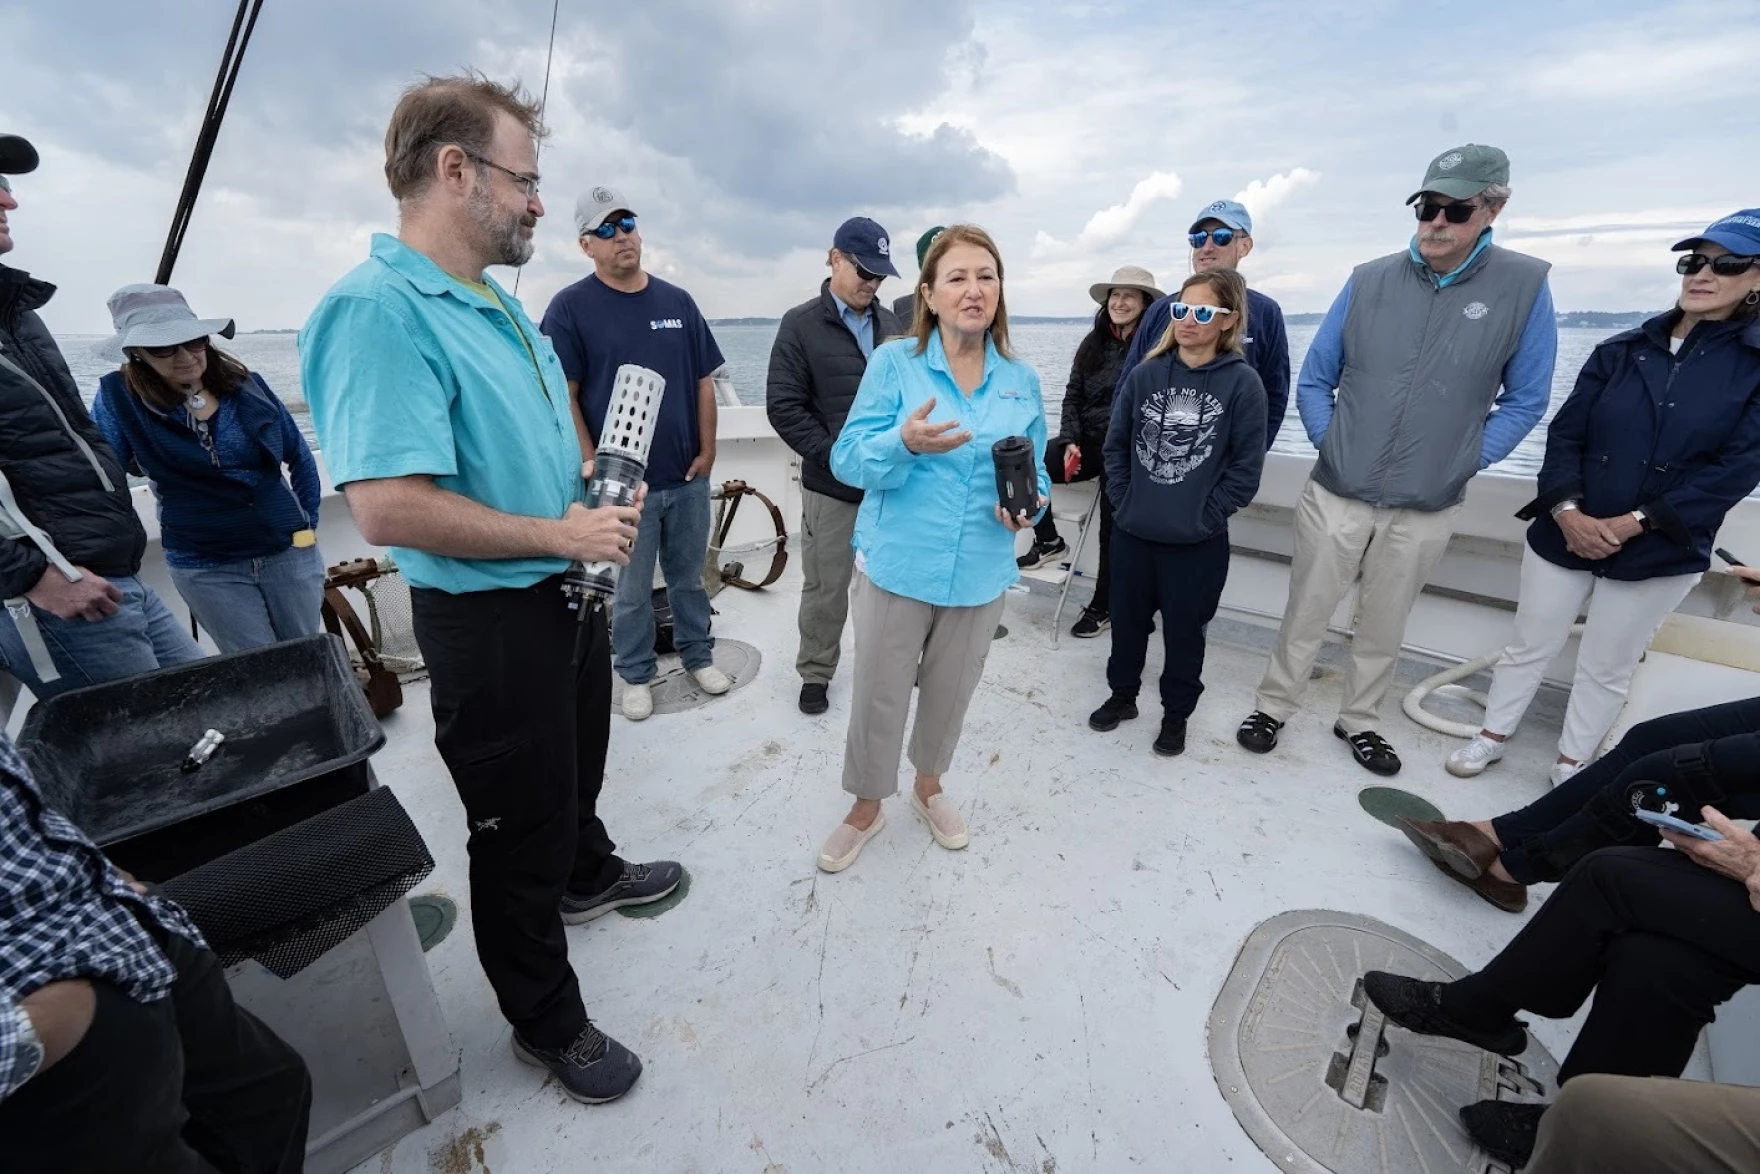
(1623, 617)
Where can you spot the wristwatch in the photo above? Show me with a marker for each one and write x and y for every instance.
(28, 1056)
(1642, 519)
(1565, 507)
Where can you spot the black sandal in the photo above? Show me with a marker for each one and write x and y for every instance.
(1371, 750)
(1259, 732)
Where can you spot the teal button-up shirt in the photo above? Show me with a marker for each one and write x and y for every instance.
(927, 528)
(409, 371)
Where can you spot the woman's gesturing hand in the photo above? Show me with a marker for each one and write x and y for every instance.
(920, 436)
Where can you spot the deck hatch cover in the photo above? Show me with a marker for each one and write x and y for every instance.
(675, 691)
(1323, 1083)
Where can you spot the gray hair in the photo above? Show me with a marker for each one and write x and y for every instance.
(1496, 194)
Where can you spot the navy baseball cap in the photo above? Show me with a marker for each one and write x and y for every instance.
(866, 243)
(1232, 213)
(17, 156)
(1739, 232)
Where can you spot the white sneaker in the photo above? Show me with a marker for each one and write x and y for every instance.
(712, 680)
(638, 702)
(1472, 759)
(1563, 772)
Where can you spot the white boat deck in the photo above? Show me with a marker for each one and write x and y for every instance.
(1035, 1003)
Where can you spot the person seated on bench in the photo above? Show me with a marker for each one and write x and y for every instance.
(1660, 938)
(1671, 764)
(120, 1045)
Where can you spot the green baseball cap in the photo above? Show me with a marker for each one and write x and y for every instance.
(927, 239)
(1461, 173)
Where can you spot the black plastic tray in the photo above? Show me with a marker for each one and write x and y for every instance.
(298, 733)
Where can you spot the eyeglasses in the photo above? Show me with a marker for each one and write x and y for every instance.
(862, 274)
(1725, 265)
(194, 346)
(526, 183)
(1457, 213)
(5, 185)
(1220, 237)
(610, 228)
(1202, 315)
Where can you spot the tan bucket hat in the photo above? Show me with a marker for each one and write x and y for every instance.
(1126, 277)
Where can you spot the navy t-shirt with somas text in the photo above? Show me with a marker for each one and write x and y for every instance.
(596, 329)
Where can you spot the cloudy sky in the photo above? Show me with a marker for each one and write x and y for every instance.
(1083, 135)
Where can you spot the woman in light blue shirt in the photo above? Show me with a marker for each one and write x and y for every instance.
(934, 551)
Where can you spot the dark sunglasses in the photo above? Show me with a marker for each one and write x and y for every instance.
(861, 273)
(609, 229)
(194, 346)
(1221, 237)
(1202, 315)
(1726, 265)
(1456, 213)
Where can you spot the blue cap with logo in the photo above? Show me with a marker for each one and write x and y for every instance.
(1232, 213)
(865, 242)
(1739, 232)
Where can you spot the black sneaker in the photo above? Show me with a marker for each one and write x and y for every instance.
(1042, 553)
(593, 1069)
(1371, 751)
(814, 699)
(1507, 1130)
(640, 884)
(1417, 1006)
(1116, 709)
(1093, 622)
(1259, 732)
(1172, 738)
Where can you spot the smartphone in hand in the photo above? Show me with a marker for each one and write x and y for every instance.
(1669, 823)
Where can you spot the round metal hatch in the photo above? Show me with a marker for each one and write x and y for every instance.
(675, 690)
(1323, 1083)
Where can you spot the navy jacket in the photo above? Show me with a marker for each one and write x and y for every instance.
(1677, 436)
(1266, 345)
(1186, 447)
(204, 510)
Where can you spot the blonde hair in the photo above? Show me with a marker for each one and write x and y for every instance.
(1231, 293)
(923, 321)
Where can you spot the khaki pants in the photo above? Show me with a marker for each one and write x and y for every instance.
(827, 528)
(902, 642)
(1633, 1125)
(1338, 539)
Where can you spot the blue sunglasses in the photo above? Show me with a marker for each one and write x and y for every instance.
(1222, 236)
(1202, 315)
(610, 228)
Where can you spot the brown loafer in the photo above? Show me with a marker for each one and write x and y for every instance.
(1457, 847)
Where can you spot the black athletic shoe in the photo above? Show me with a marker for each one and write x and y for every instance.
(640, 884)
(1417, 1006)
(593, 1069)
(1042, 553)
(1172, 738)
(1259, 732)
(1506, 1131)
(1371, 751)
(1116, 709)
(1092, 623)
(813, 698)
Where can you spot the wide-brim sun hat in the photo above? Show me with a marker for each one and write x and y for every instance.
(155, 315)
(1126, 277)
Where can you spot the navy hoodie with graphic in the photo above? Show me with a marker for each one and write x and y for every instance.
(1186, 447)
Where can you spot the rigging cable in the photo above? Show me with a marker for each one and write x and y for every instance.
(242, 25)
(543, 102)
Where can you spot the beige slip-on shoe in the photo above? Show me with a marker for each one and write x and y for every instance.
(846, 843)
(944, 820)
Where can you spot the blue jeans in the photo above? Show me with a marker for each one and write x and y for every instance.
(142, 636)
(675, 529)
(256, 601)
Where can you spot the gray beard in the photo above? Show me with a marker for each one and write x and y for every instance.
(499, 235)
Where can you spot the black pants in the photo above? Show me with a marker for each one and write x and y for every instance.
(524, 732)
(1045, 529)
(1660, 940)
(1184, 583)
(190, 1084)
(1593, 808)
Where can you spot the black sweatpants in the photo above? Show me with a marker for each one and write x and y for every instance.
(1184, 583)
(190, 1084)
(524, 732)
(1045, 529)
(1659, 939)
(1593, 808)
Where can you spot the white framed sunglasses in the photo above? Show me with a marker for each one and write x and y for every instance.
(1202, 315)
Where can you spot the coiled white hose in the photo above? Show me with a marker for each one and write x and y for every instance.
(1444, 682)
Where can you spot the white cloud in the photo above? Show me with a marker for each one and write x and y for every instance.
(1262, 195)
(1111, 225)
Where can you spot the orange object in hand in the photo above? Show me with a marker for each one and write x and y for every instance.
(1072, 461)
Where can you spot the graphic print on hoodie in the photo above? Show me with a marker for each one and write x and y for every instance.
(1177, 433)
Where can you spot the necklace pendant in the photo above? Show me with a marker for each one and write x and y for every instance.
(199, 402)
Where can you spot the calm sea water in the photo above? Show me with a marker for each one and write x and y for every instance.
(1048, 346)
